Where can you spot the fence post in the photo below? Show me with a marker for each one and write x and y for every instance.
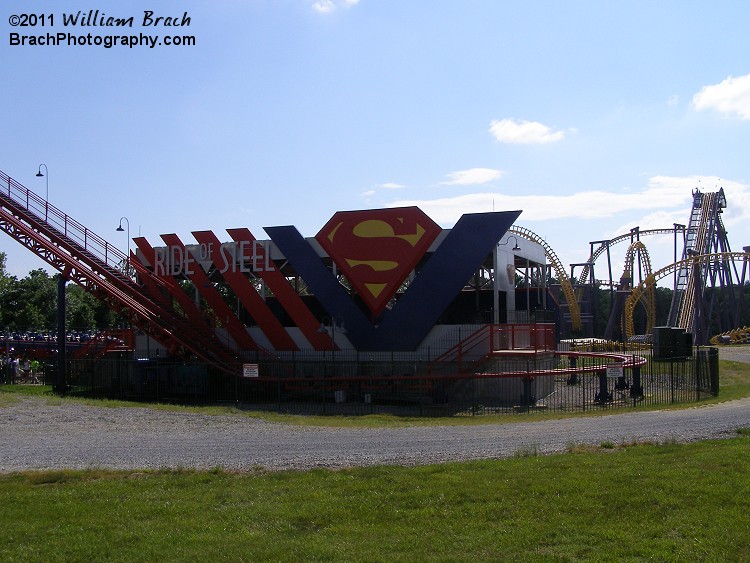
(603, 396)
(713, 370)
(278, 391)
(573, 378)
(325, 369)
(636, 390)
(697, 363)
(671, 379)
(527, 397)
(59, 383)
(583, 388)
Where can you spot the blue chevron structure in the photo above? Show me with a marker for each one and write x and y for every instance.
(437, 283)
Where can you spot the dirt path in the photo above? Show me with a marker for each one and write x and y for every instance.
(36, 435)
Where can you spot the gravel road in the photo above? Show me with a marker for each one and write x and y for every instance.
(36, 435)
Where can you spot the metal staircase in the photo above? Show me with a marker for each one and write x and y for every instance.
(99, 267)
(705, 235)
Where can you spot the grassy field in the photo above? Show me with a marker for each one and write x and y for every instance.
(611, 502)
(734, 381)
(606, 502)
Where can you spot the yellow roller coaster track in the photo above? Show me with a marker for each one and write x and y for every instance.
(736, 336)
(567, 287)
(649, 296)
(583, 278)
(650, 281)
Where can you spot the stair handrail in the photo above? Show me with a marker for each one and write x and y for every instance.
(42, 210)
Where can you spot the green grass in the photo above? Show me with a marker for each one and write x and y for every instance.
(609, 502)
(734, 380)
(662, 502)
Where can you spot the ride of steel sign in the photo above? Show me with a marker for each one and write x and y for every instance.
(376, 250)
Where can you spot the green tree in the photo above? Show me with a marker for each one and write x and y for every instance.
(31, 304)
(6, 285)
(80, 309)
(83, 311)
(5, 279)
(34, 301)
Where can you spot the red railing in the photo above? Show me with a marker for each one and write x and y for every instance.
(122, 340)
(492, 339)
(87, 259)
(539, 337)
(61, 222)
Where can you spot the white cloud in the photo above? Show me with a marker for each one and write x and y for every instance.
(328, 6)
(324, 6)
(473, 176)
(575, 219)
(524, 132)
(367, 194)
(657, 220)
(662, 192)
(730, 97)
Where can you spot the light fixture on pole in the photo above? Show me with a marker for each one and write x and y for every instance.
(120, 229)
(511, 267)
(507, 241)
(46, 194)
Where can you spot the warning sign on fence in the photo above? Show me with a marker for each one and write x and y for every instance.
(615, 370)
(250, 370)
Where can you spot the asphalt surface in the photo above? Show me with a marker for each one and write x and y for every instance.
(37, 435)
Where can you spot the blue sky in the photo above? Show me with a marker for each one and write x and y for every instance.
(591, 117)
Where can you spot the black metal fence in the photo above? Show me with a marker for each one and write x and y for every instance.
(407, 384)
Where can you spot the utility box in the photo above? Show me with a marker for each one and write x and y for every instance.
(663, 343)
(671, 343)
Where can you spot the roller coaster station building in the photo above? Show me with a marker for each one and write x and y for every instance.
(372, 281)
(376, 297)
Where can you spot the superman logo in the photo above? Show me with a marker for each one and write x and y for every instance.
(377, 249)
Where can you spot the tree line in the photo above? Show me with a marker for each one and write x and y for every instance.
(30, 304)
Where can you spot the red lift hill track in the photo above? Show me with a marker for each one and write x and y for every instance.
(99, 267)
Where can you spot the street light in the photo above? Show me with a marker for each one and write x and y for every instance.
(496, 279)
(511, 266)
(120, 229)
(515, 245)
(46, 195)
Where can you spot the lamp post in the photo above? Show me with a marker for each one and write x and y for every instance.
(515, 243)
(496, 280)
(46, 194)
(120, 229)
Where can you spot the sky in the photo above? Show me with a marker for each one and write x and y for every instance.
(591, 117)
